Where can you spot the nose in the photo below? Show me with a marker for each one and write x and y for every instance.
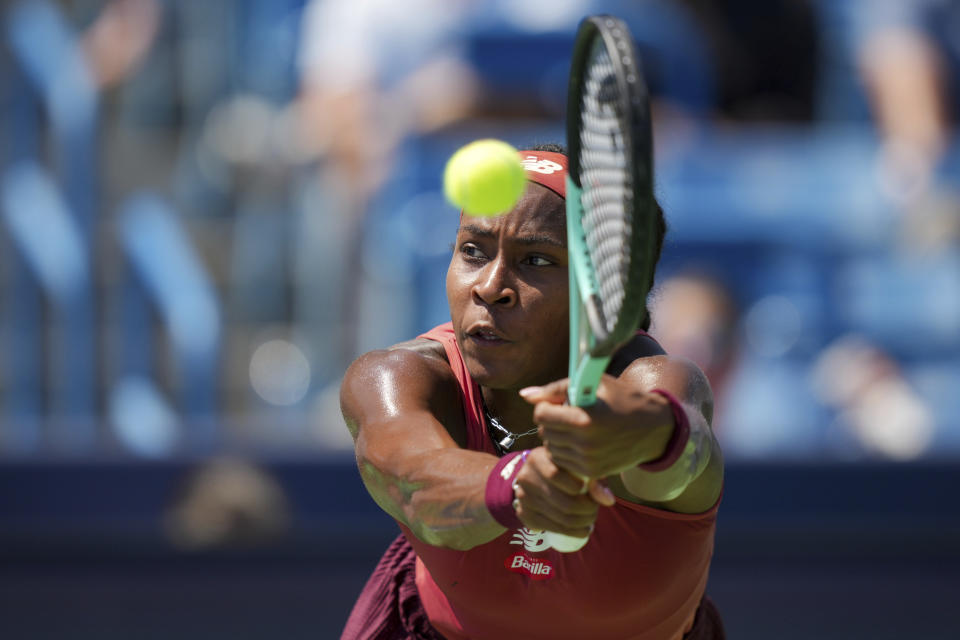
(494, 284)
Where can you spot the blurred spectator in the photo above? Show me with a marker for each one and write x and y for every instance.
(375, 71)
(117, 41)
(906, 57)
(227, 503)
(880, 414)
(371, 74)
(695, 316)
(909, 66)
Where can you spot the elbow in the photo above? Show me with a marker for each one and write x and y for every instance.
(669, 484)
(680, 491)
(653, 487)
(448, 526)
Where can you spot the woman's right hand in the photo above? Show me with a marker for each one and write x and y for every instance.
(549, 498)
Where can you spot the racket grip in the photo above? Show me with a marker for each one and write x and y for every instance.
(564, 543)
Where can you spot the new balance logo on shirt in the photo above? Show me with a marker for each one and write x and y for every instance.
(532, 540)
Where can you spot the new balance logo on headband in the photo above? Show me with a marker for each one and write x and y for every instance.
(540, 165)
(546, 168)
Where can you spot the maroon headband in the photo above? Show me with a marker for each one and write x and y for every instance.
(546, 168)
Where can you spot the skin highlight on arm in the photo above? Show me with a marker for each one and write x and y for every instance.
(409, 462)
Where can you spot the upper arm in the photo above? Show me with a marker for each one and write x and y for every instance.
(401, 398)
(399, 405)
(404, 409)
(677, 488)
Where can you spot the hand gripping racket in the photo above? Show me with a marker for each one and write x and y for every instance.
(611, 212)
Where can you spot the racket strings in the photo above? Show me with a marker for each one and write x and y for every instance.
(606, 182)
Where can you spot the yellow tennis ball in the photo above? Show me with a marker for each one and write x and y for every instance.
(484, 178)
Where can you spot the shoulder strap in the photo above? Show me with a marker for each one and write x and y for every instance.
(477, 439)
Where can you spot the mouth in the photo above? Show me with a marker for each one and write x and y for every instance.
(486, 335)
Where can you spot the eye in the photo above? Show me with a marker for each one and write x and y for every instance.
(539, 261)
(471, 251)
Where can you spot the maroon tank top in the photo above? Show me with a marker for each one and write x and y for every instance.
(641, 576)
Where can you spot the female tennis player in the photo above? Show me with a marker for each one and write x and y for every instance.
(464, 437)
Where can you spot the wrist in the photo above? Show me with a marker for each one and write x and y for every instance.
(678, 437)
(498, 493)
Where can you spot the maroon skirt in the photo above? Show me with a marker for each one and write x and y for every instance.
(389, 606)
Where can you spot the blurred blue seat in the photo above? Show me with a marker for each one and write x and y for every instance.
(22, 305)
(51, 98)
(936, 381)
(815, 189)
(770, 412)
(909, 305)
(170, 279)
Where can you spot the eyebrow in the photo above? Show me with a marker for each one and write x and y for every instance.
(525, 239)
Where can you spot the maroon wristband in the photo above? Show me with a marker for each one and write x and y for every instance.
(499, 492)
(678, 440)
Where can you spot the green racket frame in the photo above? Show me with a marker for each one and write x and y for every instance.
(592, 343)
(585, 372)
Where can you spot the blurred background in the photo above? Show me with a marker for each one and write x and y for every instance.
(209, 208)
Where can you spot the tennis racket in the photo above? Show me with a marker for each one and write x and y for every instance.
(611, 212)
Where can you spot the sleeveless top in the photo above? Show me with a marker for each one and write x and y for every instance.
(641, 575)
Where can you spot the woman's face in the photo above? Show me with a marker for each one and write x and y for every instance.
(508, 289)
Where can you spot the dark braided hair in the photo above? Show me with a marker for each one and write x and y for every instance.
(553, 147)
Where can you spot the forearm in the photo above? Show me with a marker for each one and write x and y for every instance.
(685, 473)
(437, 494)
(900, 69)
(663, 485)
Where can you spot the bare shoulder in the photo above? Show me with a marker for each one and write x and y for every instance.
(423, 346)
(419, 356)
(640, 345)
(407, 377)
(677, 374)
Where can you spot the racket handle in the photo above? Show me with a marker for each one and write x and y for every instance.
(564, 543)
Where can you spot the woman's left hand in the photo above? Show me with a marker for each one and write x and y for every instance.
(625, 427)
